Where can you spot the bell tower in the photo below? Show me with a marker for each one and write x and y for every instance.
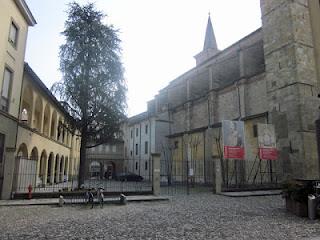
(292, 84)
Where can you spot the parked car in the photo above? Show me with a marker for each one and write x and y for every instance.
(128, 176)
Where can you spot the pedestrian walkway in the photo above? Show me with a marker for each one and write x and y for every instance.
(55, 201)
(252, 193)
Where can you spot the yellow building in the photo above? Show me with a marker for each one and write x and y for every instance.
(48, 146)
(15, 18)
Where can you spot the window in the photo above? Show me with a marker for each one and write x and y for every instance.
(13, 34)
(107, 148)
(1, 147)
(146, 129)
(136, 149)
(24, 115)
(176, 144)
(5, 93)
(146, 165)
(131, 153)
(137, 132)
(136, 165)
(146, 147)
(255, 130)
(131, 133)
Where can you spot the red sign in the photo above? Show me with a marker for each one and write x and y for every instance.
(268, 153)
(236, 152)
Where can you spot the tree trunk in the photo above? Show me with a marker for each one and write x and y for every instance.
(82, 168)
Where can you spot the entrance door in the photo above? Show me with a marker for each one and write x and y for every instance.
(1, 161)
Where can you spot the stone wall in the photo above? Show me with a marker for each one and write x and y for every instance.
(292, 84)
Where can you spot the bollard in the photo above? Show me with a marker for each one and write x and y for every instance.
(29, 191)
(312, 204)
(123, 199)
(61, 201)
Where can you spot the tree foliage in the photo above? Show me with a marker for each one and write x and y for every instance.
(93, 88)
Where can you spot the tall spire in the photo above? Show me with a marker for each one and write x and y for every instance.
(210, 39)
(210, 47)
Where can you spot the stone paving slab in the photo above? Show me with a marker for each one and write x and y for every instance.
(54, 201)
(196, 216)
(252, 193)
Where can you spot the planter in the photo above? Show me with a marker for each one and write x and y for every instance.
(297, 208)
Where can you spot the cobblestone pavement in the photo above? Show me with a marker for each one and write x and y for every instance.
(202, 216)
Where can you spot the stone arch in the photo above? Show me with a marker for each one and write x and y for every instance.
(37, 115)
(53, 124)
(46, 120)
(26, 105)
(34, 154)
(64, 132)
(96, 169)
(22, 151)
(60, 129)
(109, 170)
(43, 167)
(50, 170)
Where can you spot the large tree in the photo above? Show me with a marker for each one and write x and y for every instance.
(93, 88)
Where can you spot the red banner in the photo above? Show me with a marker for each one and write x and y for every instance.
(235, 152)
(268, 153)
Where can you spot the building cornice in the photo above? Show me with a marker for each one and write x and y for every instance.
(24, 9)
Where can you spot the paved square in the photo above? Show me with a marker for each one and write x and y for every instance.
(201, 216)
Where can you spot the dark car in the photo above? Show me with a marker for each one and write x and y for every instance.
(128, 176)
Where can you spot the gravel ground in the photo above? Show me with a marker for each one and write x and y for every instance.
(201, 216)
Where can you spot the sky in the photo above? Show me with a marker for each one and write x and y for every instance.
(159, 37)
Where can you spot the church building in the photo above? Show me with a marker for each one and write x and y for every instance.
(270, 76)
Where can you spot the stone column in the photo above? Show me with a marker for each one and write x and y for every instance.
(189, 107)
(242, 86)
(33, 109)
(156, 173)
(45, 174)
(49, 122)
(218, 175)
(62, 170)
(42, 116)
(52, 174)
(38, 166)
(58, 170)
(67, 168)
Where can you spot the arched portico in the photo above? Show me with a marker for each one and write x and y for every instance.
(43, 167)
(46, 120)
(95, 169)
(53, 125)
(27, 105)
(22, 151)
(37, 116)
(109, 170)
(50, 171)
(56, 169)
(61, 169)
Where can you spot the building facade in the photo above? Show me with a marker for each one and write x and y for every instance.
(15, 18)
(48, 145)
(270, 76)
(143, 135)
(105, 161)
